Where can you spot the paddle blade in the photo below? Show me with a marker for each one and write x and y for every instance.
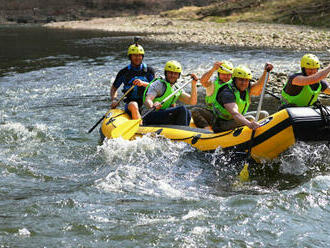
(126, 130)
(244, 174)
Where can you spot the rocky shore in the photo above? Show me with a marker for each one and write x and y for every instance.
(253, 35)
(209, 33)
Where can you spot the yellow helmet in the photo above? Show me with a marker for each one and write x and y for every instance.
(173, 66)
(227, 66)
(242, 72)
(135, 49)
(310, 61)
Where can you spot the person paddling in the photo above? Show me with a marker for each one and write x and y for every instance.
(302, 89)
(204, 117)
(167, 113)
(231, 100)
(137, 73)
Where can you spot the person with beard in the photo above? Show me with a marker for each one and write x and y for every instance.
(158, 89)
(231, 100)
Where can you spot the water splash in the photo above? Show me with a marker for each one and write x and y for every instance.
(153, 166)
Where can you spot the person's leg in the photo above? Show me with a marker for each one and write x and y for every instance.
(171, 116)
(202, 117)
(134, 109)
(188, 118)
(179, 115)
(127, 110)
(221, 125)
(157, 118)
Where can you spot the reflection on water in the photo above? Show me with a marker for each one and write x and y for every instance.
(26, 48)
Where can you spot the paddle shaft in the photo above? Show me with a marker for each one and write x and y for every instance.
(258, 113)
(128, 128)
(166, 98)
(244, 174)
(93, 127)
(98, 122)
(120, 99)
(262, 96)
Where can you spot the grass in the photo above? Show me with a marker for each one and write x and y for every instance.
(297, 12)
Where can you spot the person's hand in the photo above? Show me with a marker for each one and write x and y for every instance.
(268, 67)
(253, 125)
(194, 78)
(157, 105)
(114, 104)
(138, 82)
(217, 65)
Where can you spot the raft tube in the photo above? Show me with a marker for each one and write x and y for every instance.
(278, 132)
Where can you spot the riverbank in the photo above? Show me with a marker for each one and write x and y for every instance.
(254, 35)
(251, 35)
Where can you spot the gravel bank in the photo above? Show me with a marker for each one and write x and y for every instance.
(210, 33)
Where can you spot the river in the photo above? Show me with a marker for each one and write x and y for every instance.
(60, 188)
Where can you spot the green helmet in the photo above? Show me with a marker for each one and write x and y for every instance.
(310, 61)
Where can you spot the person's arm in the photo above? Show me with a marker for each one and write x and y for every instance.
(312, 79)
(205, 79)
(154, 90)
(192, 98)
(327, 90)
(256, 88)
(149, 101)
(140, 82)
(113, 96)
(114, 88)
(238, 117)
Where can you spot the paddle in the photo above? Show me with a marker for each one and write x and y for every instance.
(273, 95)
(129, 90)
(129, 128)
(244, 174)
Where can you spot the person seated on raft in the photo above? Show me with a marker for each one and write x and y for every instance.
(159, 89)
(302, 89)
(203, 116)
(137, 73)
(231, 100)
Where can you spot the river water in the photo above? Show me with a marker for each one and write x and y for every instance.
(60, 188)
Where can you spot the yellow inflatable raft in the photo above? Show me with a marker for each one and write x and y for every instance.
(277, 133)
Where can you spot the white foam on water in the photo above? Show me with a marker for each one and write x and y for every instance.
(196, 214)
(200, 230)
(17, 132)
(145, 220)
(303, 157)
(151, 166)
(24, 232)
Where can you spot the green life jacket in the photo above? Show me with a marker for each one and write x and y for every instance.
(306, 97)
(220, 110)
(169, 90)
(210, 99)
